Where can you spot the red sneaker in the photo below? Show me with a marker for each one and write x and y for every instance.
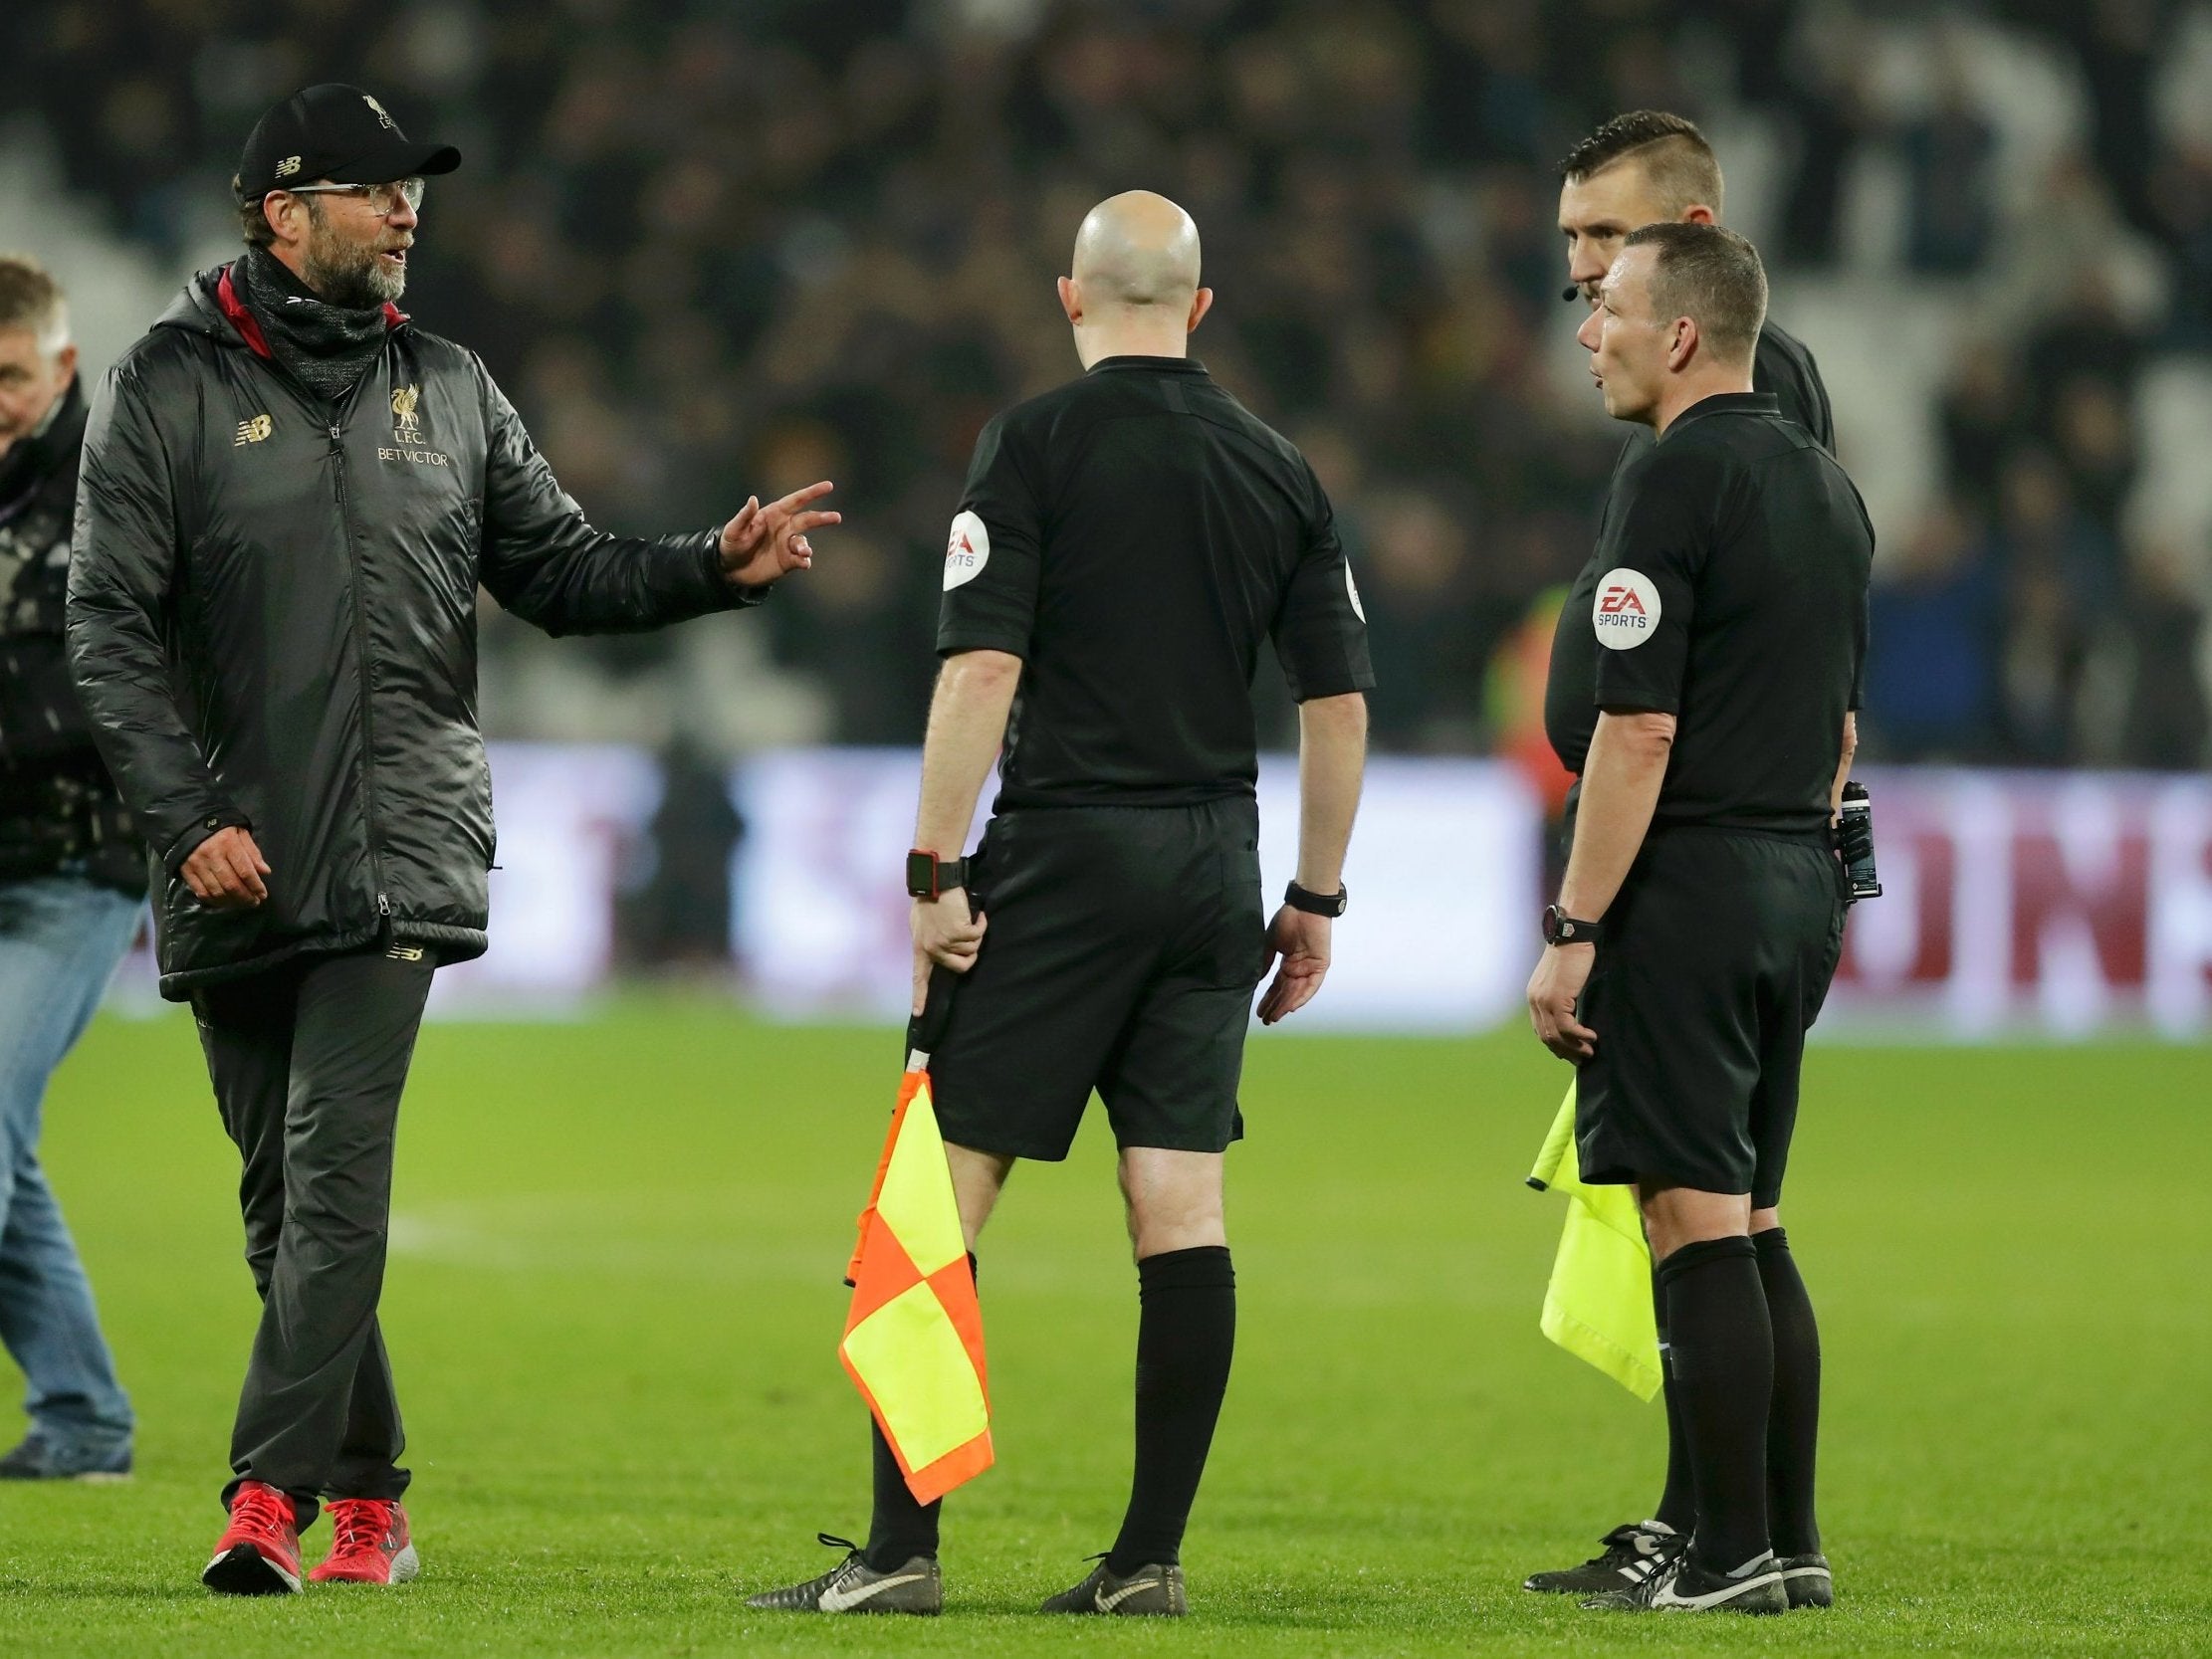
(259, 1552)
(369, 1543)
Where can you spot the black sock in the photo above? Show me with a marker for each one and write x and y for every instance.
(1677, 1505)
(900, 1527)
(1185, 1337)
(1794, 1422)
(1723, 1349)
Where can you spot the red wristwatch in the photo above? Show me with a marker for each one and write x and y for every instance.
(929, 877)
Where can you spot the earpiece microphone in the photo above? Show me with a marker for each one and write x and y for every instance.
(1573, 290)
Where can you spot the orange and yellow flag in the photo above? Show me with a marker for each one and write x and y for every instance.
(914, 1337)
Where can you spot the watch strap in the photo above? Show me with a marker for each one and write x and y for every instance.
(1317, 904)
(1562, 928)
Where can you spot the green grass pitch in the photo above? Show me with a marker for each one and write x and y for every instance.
(613, 1306)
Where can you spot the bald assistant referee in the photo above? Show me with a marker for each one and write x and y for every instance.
(1691, 942)
(1123, 546)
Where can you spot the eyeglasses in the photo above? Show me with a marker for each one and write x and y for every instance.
(382, 199)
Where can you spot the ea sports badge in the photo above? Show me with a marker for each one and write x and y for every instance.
(1626, 612)
(966, 551)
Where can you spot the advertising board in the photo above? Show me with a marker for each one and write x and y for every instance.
(2064, 904)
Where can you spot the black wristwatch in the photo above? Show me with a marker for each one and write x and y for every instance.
(1317, 904)
(1562, 928)
(927, 876)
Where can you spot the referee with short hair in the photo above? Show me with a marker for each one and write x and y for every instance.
(1124, 545)
(1639, 168)
(1691, 943)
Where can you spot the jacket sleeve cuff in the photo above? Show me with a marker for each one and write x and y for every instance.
(728, 595)
(189, 843)
(735, 596)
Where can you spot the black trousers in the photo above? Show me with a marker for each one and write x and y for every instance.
(309, 1061)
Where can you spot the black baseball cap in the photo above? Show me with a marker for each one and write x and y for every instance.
(337, 132)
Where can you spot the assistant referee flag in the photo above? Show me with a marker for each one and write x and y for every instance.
(1598, 1306)
(914, 1336)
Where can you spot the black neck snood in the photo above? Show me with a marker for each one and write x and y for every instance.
(327, 346)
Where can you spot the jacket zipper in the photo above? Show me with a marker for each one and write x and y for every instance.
(361, 652)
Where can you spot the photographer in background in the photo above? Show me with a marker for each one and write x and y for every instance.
(71, 879)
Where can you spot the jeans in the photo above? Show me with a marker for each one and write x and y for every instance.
(60, 941)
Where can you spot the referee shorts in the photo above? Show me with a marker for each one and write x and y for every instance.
(1716, 957)
(1123, 948)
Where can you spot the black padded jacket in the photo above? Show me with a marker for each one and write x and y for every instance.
(271, 622)
(60, 813)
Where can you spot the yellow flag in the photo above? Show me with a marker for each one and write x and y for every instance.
(1598, 1306)
(914, 1336)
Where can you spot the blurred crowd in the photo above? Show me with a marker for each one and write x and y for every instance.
(712, 249)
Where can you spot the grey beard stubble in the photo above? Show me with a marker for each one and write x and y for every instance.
(350, 277)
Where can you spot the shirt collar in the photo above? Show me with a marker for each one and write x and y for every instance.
(1727, 403)
(1158, 365)
(56, 412)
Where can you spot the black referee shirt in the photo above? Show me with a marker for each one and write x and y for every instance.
(1780, 365)
(1132, 536)
(1731, 593)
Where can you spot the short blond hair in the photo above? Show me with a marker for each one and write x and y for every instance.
(31, 298)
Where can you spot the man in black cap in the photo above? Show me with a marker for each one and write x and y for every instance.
(290, 496)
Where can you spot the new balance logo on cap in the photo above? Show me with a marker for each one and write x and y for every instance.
(336, 132)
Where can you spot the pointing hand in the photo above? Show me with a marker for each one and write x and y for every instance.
(763, 543)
